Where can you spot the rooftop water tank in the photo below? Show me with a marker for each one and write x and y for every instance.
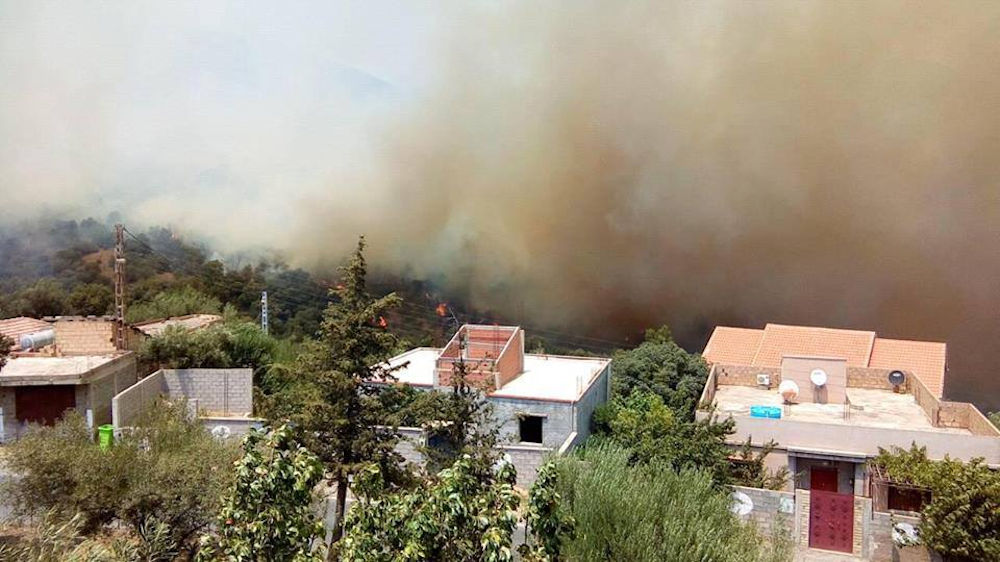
(37, 340)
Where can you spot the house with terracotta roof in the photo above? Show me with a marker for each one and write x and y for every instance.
(542, 403)
(830, 398)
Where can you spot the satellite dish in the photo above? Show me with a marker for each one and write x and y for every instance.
(818, 377)
(742, 504)
(221, 431)
(788, 390)
(897, 378)
(904, 534)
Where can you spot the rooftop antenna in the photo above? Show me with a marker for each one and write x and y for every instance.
(120, 287)
(263, 311)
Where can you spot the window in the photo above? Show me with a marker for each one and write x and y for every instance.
(905, 498)
(531, 429)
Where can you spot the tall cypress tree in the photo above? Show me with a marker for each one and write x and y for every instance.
(340, 422)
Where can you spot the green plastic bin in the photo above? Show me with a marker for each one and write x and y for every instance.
(105, 436)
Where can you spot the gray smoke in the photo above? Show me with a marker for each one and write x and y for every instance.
(602, 165)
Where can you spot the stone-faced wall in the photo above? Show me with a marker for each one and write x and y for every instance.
(593, 397)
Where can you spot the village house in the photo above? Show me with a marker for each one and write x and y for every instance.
(830, 398)
(60, 364)
(543, 403)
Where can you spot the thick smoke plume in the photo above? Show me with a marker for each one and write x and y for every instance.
(610, 166)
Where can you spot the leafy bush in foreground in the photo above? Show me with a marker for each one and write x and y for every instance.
(650, 512)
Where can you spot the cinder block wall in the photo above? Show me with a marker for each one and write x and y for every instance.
(773, 511)
(593, 397)
(128, 405)
(218, 391)
(558, 420)
(8, 418)
(84, 337)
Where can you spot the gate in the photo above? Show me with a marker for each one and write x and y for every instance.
(831, 521)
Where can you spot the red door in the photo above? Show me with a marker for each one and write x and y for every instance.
(43, 404)
(823, 479)
(831, 521)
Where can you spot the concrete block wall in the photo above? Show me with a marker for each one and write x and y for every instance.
(129, 404)
(81, 336)
(558, 422)
(238, 427)
(8, 417)
(525, 458)
(218, 391)
(767, 513)
(594, 396)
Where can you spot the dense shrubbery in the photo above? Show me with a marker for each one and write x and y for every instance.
(165, 478)
(231, 344)
(178, 301)
(651, 512)
(962, 520)
(467, 513)
(655, 392)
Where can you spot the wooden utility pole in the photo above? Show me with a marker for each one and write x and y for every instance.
(120, 287)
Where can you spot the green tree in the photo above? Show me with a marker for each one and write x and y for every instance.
(651, 431)
(46, 297)
(231, 344)
(651, 512)
(6, 344)
(548, 522)
(467, 513)
(995, 418)
(178, 301)
(91, 299)
(462, 423)
(340, 421)
(268, 514)
(660, 366)
(962, 520)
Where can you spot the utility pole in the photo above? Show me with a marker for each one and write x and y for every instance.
(263, 311)
(120, 287)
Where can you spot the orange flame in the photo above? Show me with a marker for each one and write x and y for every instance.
(442, 309)
(382, 322)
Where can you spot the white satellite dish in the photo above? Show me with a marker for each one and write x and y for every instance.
(789, 390)
(221, 431)
(742, 504)
(818, 377)
(905, 534)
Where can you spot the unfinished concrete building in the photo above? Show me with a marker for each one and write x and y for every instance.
(543, 403)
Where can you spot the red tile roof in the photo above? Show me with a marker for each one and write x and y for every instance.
(14, 328)
(735, 346)
(765, 348)
(853, 345)
(927, 360)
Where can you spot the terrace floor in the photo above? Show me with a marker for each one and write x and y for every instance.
(869, 407)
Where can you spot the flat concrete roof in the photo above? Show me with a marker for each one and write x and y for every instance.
(869, 408)
(52, 370)
(545, 377)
